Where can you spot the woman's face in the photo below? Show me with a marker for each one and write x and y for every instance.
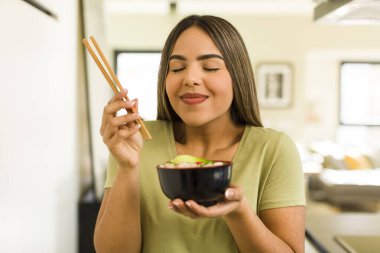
(198, 83)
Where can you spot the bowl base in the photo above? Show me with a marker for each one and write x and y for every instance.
(208, 203)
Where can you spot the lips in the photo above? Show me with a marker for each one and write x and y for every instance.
(193, 98)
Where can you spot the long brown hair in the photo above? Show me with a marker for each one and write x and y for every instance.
(244, 108)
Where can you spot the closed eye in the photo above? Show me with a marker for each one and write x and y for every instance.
(211, 69)
(177, 70)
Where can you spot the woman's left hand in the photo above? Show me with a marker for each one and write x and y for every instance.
(232, 201)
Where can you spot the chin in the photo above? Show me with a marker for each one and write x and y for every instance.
(198, 121)
(201, 119)
(195, 122)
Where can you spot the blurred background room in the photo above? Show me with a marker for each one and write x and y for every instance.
(317, 70)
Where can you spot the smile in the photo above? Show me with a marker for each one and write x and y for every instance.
(193, 98)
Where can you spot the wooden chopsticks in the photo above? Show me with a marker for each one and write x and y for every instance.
(114, 82)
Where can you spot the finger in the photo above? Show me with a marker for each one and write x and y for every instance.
(217, 210)
(123, 119)
(104, 124)
(123, 95)
(136, 101)
(121, 135)
(208, 212)
(126, 132)
(234, 193)
(119, 96)
(120, 126)
(108, 132)
(111, 110)
(199, 210)
(180, 207)
(114, 107)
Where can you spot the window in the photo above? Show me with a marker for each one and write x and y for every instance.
(360, 93)
(138, 72)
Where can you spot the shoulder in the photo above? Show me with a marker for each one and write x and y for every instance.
(267, 135)
(272, 143)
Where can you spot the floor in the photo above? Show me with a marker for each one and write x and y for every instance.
(322, 208)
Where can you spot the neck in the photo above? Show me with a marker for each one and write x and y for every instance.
(209, 140)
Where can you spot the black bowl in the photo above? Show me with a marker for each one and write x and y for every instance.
(205, 185)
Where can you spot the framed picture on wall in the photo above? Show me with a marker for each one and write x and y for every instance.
(274, 84)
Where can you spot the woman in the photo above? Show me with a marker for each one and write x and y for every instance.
(207, 107)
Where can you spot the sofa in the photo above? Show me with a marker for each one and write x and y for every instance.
(345, 176)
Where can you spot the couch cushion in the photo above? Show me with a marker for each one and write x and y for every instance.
(357, 162)
(334, 163)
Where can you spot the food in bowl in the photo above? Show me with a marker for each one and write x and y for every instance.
(188, 161)
(188, 177)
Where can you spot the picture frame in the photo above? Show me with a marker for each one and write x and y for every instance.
(274, 85)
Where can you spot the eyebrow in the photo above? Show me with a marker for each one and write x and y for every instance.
(199, 58)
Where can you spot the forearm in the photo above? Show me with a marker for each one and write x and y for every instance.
(119, 227)
(251, 234)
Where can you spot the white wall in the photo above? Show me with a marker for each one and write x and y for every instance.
(315, 52)
(99, 90)
(39, 172)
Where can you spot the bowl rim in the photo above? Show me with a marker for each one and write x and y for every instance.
(228, 163)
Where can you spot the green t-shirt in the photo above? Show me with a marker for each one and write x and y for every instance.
(266, 165)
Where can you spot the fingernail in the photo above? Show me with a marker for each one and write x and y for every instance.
(138, 126)
(188, 203)
(229, 194)
(176, 204)
(170, 206)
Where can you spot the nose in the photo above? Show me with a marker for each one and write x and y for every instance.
(193, 76)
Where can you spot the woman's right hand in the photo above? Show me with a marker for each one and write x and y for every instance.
(121, 133)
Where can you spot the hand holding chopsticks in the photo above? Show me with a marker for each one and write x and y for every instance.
(114, 82)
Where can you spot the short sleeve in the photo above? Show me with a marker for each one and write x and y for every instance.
(111, 172)
(284, 185)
